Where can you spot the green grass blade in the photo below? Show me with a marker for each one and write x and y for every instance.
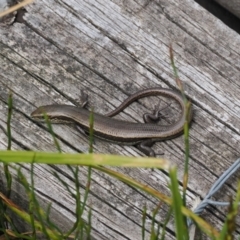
(26, 217)
(82, 159)
(10, 108)
(49, 125)
(91, 130)
(180, 224)
(144, 217)
(203, 225)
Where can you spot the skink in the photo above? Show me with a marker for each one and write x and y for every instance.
(118, 131)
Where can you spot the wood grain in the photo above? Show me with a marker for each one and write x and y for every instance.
(110, 49)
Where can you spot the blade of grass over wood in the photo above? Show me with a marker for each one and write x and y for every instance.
(26, 217)
(82, 159)
(86, 159)
(79, 224)
(88, 227)
(9, 117)
(144, 217)
(36, 213)
(186, 125)
(187, 152)
(49, 125)
(177, 204)
(30, 193)
(167, 219)
(203, 225)
(80, 203)
(155, 225)
(9, 135)
(88, 184)
(91, 131)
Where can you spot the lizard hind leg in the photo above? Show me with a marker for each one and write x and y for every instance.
(146, 147)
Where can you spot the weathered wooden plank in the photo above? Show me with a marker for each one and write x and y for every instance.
(233, 6)
(111, 49)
